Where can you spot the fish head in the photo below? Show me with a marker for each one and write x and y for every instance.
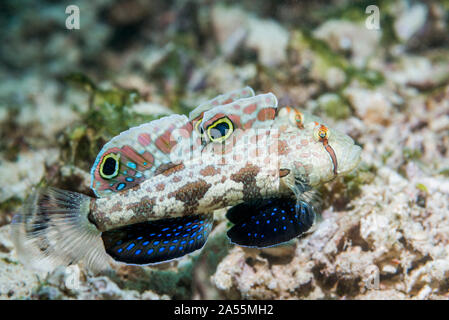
(318, 153)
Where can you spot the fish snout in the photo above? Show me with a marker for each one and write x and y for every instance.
(349, 158)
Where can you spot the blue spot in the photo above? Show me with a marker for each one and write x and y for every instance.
(156, 243)
(273, 213)
(145, 163)
(161, 249)
(283, 211)
(243, 225)
(150, 251)
(257, 222)
(168, 234)
(275, 209)
(262, 236)
(291, 221)
(121, 186)
(194, 226)
(285, 228)
(188, 224)
(165, 229)
(193, 234)
(119, 250)
(138, 175)
(152, 235)
(176, 233)
(180, 248)
(249, 234)
(185, 235)
(202, 227)
(139, 238)
(180, 227)
(132, 165)
(188, 230)
(166, 241)
(275, 229)
(191, 241)
(174, 241)
(125, 172)
(130, 246)
(129, 179)
(146, 242)
(159, 235)
(199, 236)
(283, 218)
(255, 235)
(172, 247)
(138, 252)
(268, 221)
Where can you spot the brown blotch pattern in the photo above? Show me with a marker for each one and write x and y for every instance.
(190, 194)
(247, 176)
(172, 169)
(144, 206)
(210, 171)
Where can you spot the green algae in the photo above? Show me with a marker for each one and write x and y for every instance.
(326, 58)
(108, 114)
(411, 154)
(334, 106)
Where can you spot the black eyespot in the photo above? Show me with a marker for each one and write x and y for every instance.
(109, 166)
(219, 130)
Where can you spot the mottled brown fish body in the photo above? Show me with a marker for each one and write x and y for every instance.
(184, 191)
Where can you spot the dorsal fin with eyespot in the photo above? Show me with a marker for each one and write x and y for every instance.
(247, 113)
(135, 155)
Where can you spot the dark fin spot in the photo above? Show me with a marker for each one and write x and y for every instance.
(159, 240)
(271, 222)
(109, 166)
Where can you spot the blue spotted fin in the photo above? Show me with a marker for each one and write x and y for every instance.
(269, 222)
(139, 153)
(158, 241)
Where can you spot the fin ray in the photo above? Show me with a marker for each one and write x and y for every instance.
(52, 229)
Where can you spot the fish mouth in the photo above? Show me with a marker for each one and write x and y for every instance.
(350, 159)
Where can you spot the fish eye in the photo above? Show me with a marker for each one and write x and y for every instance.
(109, 167)
(299, 119)
(322, 133)
(220, 130)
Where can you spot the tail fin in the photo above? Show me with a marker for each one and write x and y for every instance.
(53, 229)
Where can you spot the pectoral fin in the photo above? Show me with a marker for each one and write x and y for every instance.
(269, 222)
